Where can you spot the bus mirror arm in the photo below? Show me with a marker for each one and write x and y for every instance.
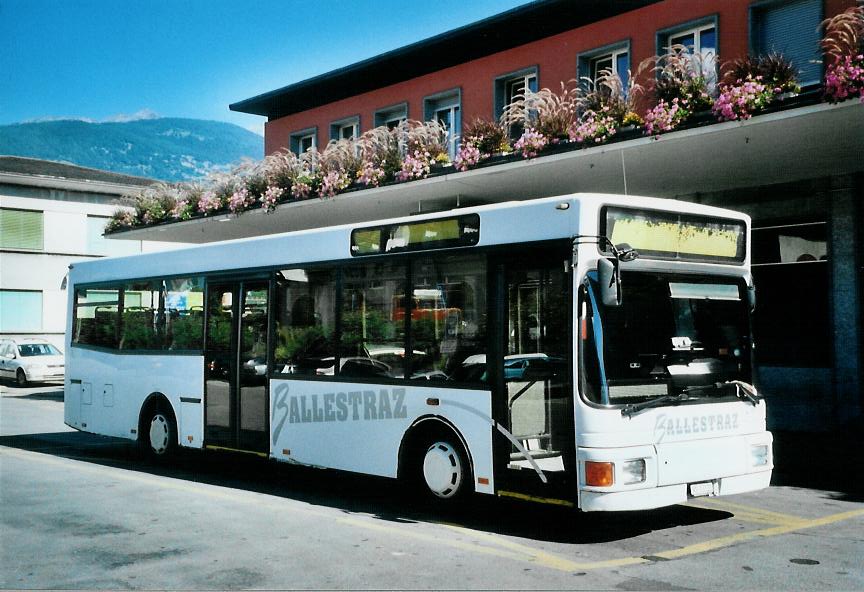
(608, 268)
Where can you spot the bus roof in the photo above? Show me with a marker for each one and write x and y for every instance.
(501, 223)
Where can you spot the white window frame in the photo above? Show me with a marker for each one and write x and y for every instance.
(610, 56)
(297, 139)
(391, 116)
(337, 128)
(450, 101)
(709, 60)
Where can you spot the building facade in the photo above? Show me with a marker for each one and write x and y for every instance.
(796, 169)
(52, 215)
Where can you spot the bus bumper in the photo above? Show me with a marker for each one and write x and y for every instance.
(667, 495)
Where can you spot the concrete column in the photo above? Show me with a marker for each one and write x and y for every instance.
(844, 248)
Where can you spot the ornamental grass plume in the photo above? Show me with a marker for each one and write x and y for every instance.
(546, 112)
(423, 136)
(844, 76)
(341, 157)
(380, 154)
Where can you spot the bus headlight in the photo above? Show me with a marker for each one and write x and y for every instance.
(633, 471)
(759, 455)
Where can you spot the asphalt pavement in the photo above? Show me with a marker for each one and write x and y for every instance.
(79, 511)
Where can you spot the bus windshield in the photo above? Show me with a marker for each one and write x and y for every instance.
(670, 334)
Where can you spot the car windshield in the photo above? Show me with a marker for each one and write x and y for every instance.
(37, 349)
(670, 334)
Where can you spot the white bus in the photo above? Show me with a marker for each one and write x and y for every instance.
(590, 350)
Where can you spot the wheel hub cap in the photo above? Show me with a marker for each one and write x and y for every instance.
(159, 434)
(442, 470)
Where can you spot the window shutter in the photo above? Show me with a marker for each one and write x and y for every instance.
(21, 229)
(792, 29)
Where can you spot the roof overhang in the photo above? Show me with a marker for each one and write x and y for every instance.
(521, 25)
(808, 142)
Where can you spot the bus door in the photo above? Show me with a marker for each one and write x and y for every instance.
(235, 366)
(534, 396)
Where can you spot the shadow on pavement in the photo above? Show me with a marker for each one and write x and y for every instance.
(382, 498)
(833, 462)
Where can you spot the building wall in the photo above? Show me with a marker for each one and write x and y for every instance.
(555, 58)
(815, 384)
(65, 241)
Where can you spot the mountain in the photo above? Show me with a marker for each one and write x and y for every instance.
(168, 149)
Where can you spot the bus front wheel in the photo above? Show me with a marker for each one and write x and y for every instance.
(439, 468)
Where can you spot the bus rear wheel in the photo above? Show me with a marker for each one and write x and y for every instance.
(159, 434)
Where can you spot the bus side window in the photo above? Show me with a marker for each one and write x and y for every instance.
(305, 321)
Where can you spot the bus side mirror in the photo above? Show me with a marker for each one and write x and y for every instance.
(751, 297)
(610, 281)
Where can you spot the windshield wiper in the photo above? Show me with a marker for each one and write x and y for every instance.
(744, 391)
(634, 408)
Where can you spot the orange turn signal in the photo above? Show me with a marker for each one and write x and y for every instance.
(599, 474)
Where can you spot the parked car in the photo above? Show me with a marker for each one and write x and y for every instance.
(30, 360)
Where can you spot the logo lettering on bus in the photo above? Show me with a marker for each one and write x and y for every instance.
(694, 425)
(365, 405)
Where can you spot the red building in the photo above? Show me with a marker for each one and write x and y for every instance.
(473, 71)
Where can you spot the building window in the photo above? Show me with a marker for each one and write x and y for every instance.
(20, 311)
(700, 39)
(791, 274)
(446, 109)
(97, 244)
(345, 129)
(21, 229)
(512, 86)
(303, 141)
(391, 116)
(790, 28)
(615, 59)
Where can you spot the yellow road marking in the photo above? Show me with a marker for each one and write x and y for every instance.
(726, 541)
(541, 557)
(503, 548)
(748, 513)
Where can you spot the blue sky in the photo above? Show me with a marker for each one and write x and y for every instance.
(100, 59)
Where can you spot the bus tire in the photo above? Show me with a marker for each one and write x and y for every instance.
(158, 435)
(438, 467)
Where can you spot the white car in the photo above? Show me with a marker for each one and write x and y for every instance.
(30, 360)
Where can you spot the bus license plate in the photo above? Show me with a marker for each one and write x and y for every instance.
(702, 489)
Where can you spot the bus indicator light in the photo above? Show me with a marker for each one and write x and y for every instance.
(599, 474)
(482, 480)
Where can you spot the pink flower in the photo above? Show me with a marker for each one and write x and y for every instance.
(531, 143)
(209, 202)
(468, 156)
(271, 198)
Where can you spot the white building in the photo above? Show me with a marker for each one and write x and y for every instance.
(52, 215)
